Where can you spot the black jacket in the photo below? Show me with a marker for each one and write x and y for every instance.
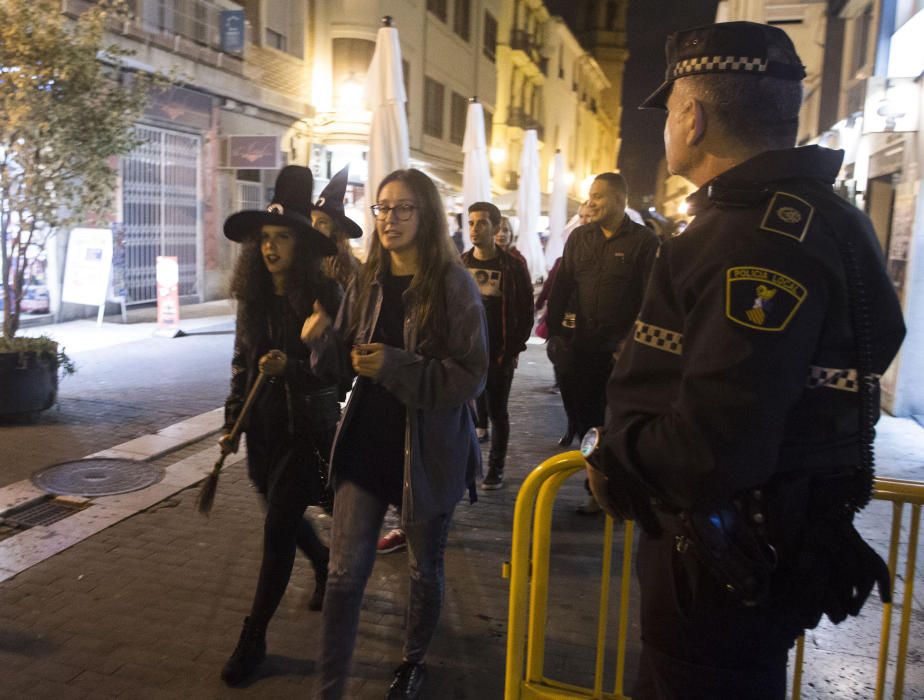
(516, 304)
(609, 275)
(744, 357)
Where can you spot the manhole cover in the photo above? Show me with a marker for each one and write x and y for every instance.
(97, 477)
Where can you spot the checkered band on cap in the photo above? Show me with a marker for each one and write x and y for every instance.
(843, 379)
(660, 338)
(719, 64)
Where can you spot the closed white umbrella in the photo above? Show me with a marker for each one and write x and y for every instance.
(558, 211)
(528, 212)
(476, 174)
(389, 149)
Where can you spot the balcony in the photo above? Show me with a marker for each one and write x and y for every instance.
(519, 119)
(521, 40)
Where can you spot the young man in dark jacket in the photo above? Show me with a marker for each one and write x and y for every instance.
(507, 293)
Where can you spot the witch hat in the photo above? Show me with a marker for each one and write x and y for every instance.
(331, 203)
(291, 207)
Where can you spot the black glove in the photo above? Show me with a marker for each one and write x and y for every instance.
(625, 494)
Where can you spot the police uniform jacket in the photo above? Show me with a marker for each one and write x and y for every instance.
(609, 275)
(743, 359)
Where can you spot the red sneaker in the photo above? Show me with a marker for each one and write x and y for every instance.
(392, 542)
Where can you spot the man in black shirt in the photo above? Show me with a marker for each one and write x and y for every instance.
(507, 294)
(606, 262)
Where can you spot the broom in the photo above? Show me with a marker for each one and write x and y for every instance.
(210, 485)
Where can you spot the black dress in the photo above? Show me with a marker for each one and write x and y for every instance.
(291, 425)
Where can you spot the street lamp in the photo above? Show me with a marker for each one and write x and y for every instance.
(351, 93)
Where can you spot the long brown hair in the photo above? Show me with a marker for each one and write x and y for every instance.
(435, 253)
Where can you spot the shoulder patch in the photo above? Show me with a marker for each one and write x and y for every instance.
(788, 215)
(762, 299)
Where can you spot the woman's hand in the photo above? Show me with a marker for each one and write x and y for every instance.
(368, 359)
(273, 363)
(227, 445)
(315, 325)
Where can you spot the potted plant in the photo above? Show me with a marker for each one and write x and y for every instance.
(68, 114)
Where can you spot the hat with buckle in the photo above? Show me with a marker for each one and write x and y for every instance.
(291, 207)
(729, 47)
(331, 203)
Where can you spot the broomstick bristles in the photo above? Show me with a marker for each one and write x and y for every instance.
(207, 494)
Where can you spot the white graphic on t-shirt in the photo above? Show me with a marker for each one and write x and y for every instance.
(488, 281)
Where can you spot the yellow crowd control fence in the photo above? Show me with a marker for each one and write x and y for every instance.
(528, 571)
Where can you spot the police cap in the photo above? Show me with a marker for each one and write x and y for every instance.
(728, 47)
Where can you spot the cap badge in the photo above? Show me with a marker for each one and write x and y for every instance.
(275, 208)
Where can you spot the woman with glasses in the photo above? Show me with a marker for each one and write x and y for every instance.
(412, 328)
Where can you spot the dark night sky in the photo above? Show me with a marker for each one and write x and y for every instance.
(649, 23)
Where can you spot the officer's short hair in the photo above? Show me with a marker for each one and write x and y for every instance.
(616, 181)
(756, 112)
(493, 212)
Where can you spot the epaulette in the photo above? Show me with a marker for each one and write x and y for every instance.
(788, 215)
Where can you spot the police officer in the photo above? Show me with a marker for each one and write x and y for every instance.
(742, 412)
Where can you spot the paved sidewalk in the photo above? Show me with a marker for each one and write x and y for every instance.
(151, 607)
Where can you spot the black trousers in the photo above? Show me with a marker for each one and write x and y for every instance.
(700, 644)
(588, 386)
(492, 404)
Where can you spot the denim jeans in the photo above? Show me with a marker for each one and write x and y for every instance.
(357, 520)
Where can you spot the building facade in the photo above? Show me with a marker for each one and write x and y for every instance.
(212, 141)
(448, 50)
(863, 95)
(549, 82)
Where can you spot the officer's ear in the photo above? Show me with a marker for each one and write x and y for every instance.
(698, 122)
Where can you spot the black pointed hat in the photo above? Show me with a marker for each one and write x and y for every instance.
(291, 207)
(331, 203)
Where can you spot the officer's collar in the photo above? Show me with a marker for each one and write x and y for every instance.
(746, 183)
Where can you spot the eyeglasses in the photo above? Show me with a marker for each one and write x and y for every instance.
(403, 211)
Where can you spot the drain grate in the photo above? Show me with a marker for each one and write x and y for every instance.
(44, 511)
(97, 476)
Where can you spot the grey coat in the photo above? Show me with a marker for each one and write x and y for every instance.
(441, 452)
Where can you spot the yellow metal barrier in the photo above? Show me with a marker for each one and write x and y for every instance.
(528, 572)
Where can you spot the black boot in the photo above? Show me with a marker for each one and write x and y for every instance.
(408, 682)
(248, 654)
(316, 602)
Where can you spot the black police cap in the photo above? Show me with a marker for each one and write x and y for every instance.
(729, 47)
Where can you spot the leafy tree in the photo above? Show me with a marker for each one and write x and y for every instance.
(66, 114)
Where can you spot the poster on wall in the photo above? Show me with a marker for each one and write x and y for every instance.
(900, 237)
(87, 266)
(897, 268)
(167, 272)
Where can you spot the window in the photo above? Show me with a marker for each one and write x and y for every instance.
(438, 8)
(433, 108)
(457, 119)
(461, 19)
(490, 36)
(406, 73)
(561, 61)
(863, 27)
(275, 40)
(488, 126)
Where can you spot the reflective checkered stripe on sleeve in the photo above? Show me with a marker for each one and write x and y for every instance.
(843, 379)
(657, 337)
(718, 64)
